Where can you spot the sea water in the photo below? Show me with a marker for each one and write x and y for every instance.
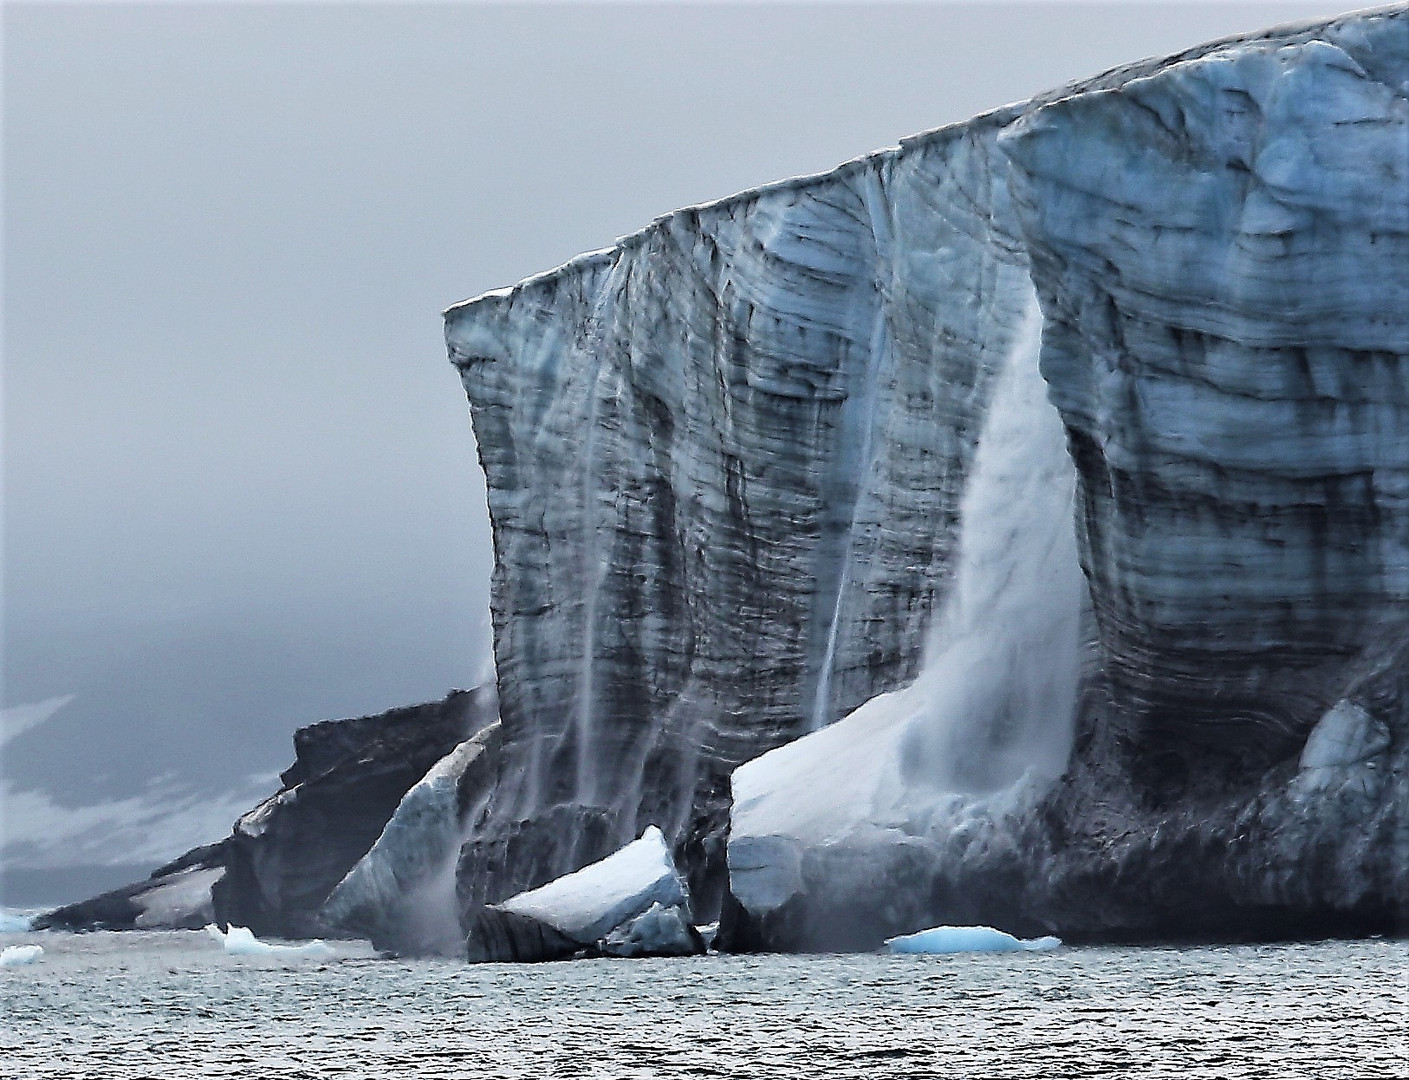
(174, 1005)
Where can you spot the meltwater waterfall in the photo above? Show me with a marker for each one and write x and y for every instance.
(989, 719)
(995, 698)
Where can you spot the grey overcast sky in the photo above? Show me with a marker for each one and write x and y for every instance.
(240, 487)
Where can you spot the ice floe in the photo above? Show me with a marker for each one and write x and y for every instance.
(958, 939)
(240, 941)
(16, 922)
(15, 955)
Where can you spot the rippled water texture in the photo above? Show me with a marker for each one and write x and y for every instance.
(173, 1005)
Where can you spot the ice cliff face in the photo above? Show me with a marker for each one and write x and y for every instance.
(736, 478)
(725, 461)
(1220, 252)
(1232, 374)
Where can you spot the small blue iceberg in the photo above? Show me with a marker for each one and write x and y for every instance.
(961, 939)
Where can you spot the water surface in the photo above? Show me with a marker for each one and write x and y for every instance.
(173, 1005)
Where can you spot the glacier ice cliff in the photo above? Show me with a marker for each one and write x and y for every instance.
(1141, 674)
(1233, 389)
(724, 463)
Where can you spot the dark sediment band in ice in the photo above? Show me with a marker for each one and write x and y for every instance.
(728, 460)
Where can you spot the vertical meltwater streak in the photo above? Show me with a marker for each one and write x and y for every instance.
(995, 699)
(859, 422)
(864, 424)
(594, 567)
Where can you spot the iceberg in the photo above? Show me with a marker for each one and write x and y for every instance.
(16, 955)
(657, 931)
(633, 902)
(588, 903)
(240, 941)
(735, 467)
(1223, 353)
(962, 939)
(1007, 527)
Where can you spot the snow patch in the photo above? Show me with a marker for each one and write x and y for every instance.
(151, 827)
(181, 900)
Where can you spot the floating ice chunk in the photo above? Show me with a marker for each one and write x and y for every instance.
(240, 941)
(657, 931)
(956, 939)
(15, 955)
(632, 903)
(590, 902)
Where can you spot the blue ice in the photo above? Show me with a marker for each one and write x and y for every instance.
(959, 939)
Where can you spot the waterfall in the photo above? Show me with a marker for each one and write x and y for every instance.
(858, 432)
(593, 571)
(594, 565)
(996, 694)
(994, 701)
